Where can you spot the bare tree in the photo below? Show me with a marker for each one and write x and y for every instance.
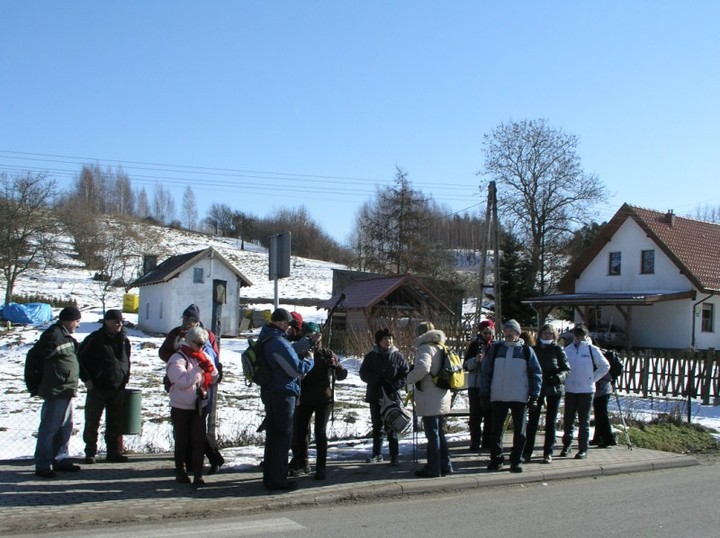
(25, 225)
(143, 206)
(189, 209)
(220, 219)
(120, 195)
(542, 189)
(117, 256)
(163, 205)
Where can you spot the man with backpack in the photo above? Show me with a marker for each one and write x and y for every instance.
(279, 396)
(510, 381)
(431, 401)
(60, 376)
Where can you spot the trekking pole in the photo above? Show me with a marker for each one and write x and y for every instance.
(622, 419)
(328, 325)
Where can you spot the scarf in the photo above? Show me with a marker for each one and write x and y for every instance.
(204, 362)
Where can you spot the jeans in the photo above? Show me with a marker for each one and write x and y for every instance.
(577, 404)
(499, 412)
(56, 426)
(97, 401)
(279, 411)
(552, 404)
(438, 456)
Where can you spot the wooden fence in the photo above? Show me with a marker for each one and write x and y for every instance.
(672, 373)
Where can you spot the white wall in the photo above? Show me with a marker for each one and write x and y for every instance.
(161, 305)
(666, 324)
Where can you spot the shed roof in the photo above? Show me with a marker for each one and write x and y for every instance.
(175, 265)
(368, 292)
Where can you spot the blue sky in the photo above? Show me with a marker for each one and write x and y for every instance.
(269, 104)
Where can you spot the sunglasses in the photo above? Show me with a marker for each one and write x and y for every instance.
(199, 344)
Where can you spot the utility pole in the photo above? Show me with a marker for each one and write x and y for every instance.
(490, 241)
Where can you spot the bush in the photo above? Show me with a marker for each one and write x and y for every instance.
(37, 298)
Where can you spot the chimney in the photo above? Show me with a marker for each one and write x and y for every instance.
(670, 218)
(149, 263)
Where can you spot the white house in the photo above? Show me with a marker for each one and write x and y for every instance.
(203, 277)
(652, 273)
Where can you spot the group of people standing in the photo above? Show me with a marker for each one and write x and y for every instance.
(513, 375)
(522, 377)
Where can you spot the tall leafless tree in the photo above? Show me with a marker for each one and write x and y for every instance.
(163, 207)
(26, 223)
(189, 209)
(543, 192)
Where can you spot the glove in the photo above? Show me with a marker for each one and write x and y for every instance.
(207, 367)
(532, 403)
(220, 372)
(554, 380)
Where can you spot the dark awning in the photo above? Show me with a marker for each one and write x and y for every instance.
(610, 298)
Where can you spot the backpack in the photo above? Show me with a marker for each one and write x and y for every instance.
(393, 415)
(34, 364)
(451, 375)
(254, 365)
(616, 364)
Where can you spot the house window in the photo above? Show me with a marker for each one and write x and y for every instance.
(708, 314)
(614, 263)
(647, 262)
(198, 275)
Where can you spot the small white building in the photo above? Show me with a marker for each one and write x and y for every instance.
(651, 273)
(203, 277)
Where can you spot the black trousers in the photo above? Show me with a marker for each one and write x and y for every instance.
(479, 435)
(603, 429)
(111, 402)
(301, 434)
(189, 433)
(499, 412)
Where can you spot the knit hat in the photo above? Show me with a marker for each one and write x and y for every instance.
(113, 315)
(423, 327)
(70, 313)
(512, 325)
(310, 327)
(280, 314)
(382, 333)
(192, 312)
(486, 324)
(297, 320)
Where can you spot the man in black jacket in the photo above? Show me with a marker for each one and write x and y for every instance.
(105, 369)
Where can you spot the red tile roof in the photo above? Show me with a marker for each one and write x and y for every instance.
(693, 245)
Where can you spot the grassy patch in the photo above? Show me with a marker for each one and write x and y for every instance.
(673, 437)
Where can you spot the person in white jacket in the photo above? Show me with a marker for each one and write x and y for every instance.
(431, 402)
(585, 370)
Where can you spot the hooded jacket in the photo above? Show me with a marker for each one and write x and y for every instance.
(430, 400)
(510, 372)
(585, 370)
(282, 360)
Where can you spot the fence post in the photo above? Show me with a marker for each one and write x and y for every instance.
(645, 371)
(707, 381)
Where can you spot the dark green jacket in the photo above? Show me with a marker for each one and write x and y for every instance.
(61, 370)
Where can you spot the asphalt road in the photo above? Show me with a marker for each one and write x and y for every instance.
(676, 502)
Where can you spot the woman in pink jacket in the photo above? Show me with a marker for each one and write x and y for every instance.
(191, 373)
